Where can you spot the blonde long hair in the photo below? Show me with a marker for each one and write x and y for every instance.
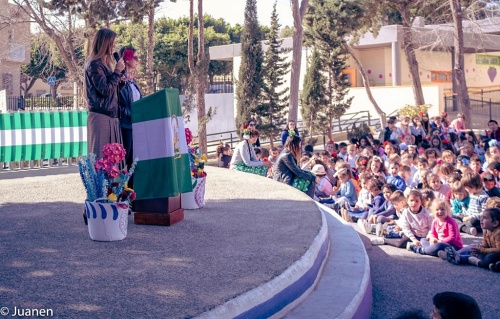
(102, 47)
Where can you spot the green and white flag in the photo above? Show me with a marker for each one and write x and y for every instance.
(163, 169)
(26, 136)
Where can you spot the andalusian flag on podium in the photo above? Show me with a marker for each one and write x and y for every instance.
(163, 168)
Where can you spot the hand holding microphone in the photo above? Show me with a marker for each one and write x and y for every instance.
(120, 65)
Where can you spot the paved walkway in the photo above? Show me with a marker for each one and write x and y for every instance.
(403, 280)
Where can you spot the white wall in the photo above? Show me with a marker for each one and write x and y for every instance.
(391, 99)
(223, 121)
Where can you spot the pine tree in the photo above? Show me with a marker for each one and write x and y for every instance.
(313, 92)
(249, 77)
(272, 110)
(337, 88)
(326, 29)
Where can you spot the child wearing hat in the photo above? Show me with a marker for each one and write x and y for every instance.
(324, 188)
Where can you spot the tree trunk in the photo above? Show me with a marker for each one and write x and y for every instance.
(366, 84)
(201, 68)
(150, 50)
(411, 59)
(458, 68)
(298, 14)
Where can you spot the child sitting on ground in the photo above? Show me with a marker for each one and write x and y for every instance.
(440, 190)
(459, 203)
(346, 196)
(427, 197)
(374, 186)
(394, 177)
(487, 255)
(324, 188)
(225, 158)
(364, 197)
(384, 214)
(444, 232)
(474, 186)
(390, 232)
(415, 220)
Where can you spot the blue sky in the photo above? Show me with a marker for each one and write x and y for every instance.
(230, 10)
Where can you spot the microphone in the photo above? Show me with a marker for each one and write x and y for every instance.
(116, 55)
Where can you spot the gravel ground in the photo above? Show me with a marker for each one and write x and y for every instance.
(403, 280)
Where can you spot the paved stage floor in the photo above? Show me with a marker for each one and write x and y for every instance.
(250, 231)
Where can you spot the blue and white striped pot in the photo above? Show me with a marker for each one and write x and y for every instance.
(106, 221)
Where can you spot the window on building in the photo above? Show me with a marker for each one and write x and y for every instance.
(484, 59)
(350, 75)
(440, 76)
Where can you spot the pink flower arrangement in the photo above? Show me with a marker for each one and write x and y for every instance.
(103, 178)
(189, 136)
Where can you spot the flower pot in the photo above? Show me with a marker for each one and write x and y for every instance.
(196, 198)
(107, 221)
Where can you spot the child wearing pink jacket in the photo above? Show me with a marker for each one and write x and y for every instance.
(444, 232)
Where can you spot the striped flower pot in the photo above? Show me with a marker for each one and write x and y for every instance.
(107, 221)
(196, 198)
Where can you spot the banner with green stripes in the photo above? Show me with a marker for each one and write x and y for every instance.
(163, 168)
(26, 136)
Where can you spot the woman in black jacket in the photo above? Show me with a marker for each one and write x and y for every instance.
(101, 84)
(287, 170)
(129, 93)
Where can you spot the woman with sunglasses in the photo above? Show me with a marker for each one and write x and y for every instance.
(129, 92)
(251, 125)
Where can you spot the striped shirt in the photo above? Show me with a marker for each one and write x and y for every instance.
(477, 204)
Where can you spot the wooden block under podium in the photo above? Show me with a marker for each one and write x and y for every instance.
(159, 211)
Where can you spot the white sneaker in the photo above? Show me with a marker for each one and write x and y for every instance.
(442, 254)
(362, 225)
(473, 231)
(377, 241)
(474, 261)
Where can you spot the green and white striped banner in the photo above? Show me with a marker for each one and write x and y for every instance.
(163, 168)
(26, 136)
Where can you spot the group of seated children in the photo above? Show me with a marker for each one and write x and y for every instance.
(419, 198)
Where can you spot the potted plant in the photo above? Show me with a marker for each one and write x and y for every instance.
(196, 198)
(108, 197)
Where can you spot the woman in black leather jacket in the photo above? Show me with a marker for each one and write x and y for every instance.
(286, 168)
(129, 92)
(101, 84)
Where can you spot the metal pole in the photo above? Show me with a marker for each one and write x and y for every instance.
(482, 98)
(490, 109)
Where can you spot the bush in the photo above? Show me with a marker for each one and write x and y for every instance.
(412, 110)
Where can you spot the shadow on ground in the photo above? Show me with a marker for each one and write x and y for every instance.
(48, 260)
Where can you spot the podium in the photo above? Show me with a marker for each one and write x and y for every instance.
(163, 169)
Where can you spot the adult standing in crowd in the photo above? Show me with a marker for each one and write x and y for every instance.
(101, 83)
(289, 126)
(287, 168)
(129, 93)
